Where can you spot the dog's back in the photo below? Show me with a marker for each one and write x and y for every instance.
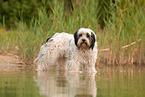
(54, 50)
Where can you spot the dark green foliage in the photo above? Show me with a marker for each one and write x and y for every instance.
(13, 11)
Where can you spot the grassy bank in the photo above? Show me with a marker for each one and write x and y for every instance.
(124, 24)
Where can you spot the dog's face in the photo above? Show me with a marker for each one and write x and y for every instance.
(84, 38)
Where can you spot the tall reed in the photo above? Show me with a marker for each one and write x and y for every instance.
(124, 25)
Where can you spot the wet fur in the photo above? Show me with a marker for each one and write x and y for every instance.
(62, 50)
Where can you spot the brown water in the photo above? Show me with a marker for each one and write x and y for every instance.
(109, 81)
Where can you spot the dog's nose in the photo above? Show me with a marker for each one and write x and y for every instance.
(83, 40)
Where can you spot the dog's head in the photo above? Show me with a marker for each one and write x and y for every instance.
(84, 38)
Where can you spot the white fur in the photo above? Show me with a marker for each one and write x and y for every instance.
(61, 50)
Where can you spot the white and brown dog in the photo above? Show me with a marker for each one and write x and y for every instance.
(69, 52)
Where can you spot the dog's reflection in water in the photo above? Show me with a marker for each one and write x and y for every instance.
(60, 84)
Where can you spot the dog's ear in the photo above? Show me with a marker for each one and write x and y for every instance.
(93, 39)
(76, 37)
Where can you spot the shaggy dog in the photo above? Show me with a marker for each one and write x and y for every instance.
(69, 52)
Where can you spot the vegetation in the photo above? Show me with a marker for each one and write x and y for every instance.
(116, 23)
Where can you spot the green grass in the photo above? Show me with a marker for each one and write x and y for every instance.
(125, 24)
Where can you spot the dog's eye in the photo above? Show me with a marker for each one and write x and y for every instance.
(88, 35)
(80, 35)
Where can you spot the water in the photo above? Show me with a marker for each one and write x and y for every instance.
(109, 81)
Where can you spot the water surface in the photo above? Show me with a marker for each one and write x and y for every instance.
(109, 81)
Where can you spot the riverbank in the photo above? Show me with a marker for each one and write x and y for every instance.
(9, 59)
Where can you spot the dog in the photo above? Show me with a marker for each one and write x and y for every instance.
(69, 52)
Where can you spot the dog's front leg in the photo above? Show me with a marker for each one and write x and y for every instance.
(90, 68)
(73, 66)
